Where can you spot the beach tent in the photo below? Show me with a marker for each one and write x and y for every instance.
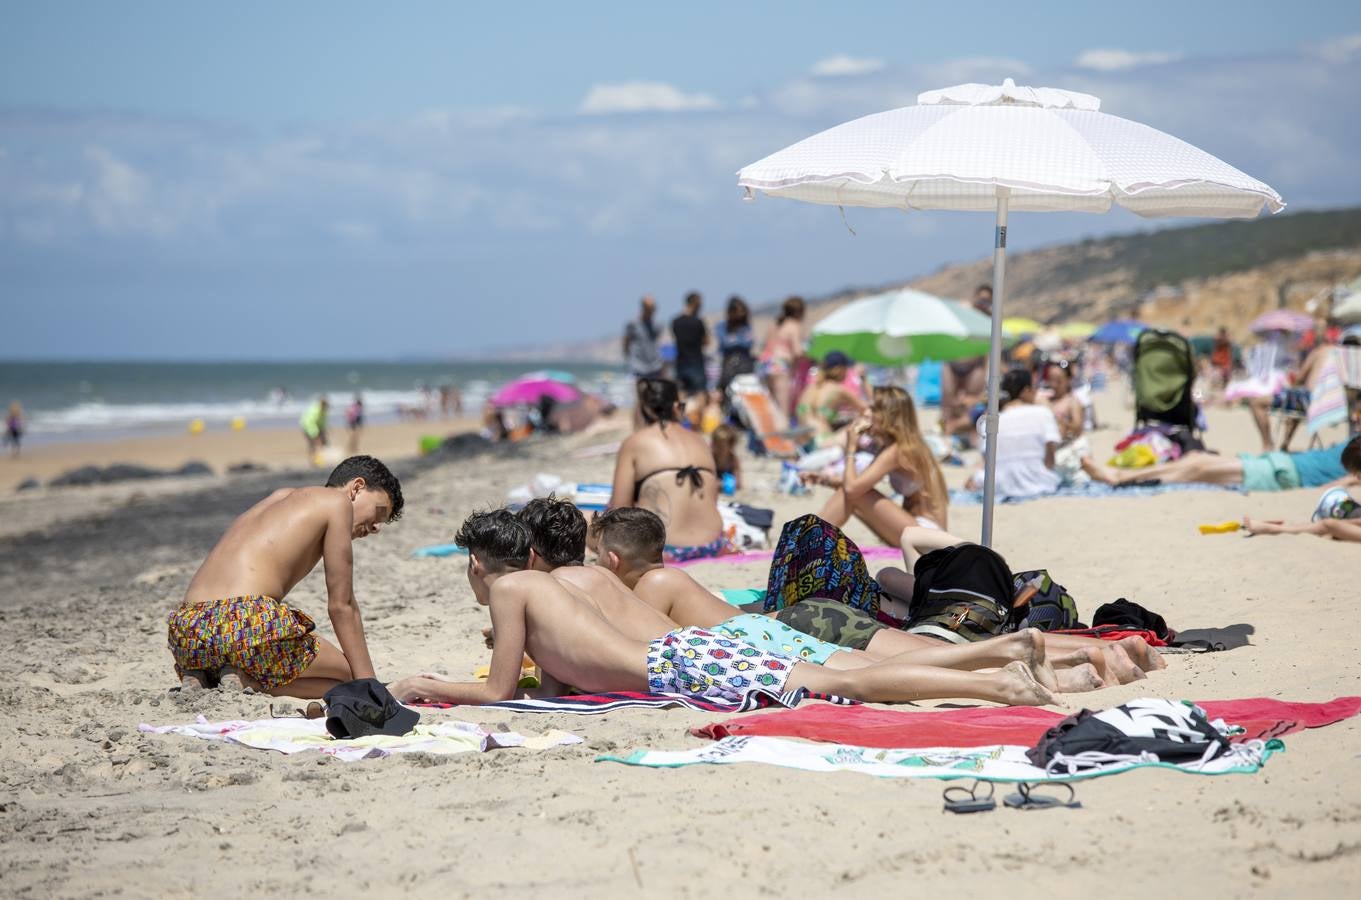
(1118, 331)
(998, 148)
(1347, 303)
(900, 328)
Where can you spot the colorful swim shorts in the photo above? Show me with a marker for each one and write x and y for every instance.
(267, 639)
(765, 633)
(705, 664)
(831, 621)
(721, 546)
(1273, 471)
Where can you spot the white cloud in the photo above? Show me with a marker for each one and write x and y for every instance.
(1340, 49)
(841, 64)
(643, 96)
(1111, 59)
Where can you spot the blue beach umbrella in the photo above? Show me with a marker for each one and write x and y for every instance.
(1120, 331)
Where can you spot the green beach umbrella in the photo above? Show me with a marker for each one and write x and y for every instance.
(903, 327)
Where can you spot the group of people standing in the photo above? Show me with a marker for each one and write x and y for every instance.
(733, 337)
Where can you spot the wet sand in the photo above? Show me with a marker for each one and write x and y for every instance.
(281, 448)
(88, 806)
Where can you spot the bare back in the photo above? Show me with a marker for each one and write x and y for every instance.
(649, 474)
(616, 603)
(568, 637)
(269, 548)
(684, 600)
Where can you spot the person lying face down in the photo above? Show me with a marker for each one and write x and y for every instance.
(561, 627)
(816, 629)
(671, 599)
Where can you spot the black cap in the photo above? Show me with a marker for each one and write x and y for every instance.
(364, 706)
(834, 359)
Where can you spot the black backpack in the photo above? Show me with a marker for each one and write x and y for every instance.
(1050, 608)
(962, 594)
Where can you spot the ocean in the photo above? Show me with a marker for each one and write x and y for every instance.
(73, 401)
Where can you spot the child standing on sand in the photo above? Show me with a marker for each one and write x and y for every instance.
(233, 627)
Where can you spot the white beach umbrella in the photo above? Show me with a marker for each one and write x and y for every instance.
(1001, 148)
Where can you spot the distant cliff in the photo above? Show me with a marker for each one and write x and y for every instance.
(1192, 279)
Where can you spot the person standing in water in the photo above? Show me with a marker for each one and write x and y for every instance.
(14, 427)
(313, 423)
(354, 417)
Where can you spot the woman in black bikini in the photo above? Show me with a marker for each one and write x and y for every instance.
(670, 471)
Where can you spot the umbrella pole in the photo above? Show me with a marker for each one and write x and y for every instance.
(999, 268)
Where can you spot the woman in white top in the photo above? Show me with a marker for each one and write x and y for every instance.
(1027, 438)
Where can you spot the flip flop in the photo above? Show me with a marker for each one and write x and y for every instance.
(1027, 798)
(960, 799)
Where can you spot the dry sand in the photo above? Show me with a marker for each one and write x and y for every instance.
(88, 806)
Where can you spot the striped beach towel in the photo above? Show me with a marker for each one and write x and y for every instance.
(599, 704)
(1327, 398)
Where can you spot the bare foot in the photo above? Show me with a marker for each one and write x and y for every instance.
(1029, 644)
(1070, 658)
(1079, 679)
(194, 681)
(1262, 526)
(1097, 472)
(1119, 666)
(1144, 656)
(1018, 687)
(236, 681)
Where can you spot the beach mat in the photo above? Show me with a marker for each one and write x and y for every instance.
(1005, 763)
(1096, 489)
(599, 704)
(869, 726)
(438, 550)
(289, 736)
(877, 553)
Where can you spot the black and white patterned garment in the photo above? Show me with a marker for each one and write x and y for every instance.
(1145, 731)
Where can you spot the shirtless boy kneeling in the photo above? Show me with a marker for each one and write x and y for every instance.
(233, 627)
(567, 635)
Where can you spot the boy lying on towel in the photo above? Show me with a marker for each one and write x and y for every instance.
(567, 633)
(234, 627)
(836, 635)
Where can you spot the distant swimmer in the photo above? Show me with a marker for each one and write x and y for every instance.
(14, 427)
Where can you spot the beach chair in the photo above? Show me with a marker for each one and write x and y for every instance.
(768, 424)
(1164, 370)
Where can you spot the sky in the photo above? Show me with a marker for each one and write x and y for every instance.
(192, 180)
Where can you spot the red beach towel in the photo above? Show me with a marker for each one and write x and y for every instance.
(866, 726)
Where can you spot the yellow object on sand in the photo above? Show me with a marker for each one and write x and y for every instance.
(239, 423)
(1135, 456)
(529, 673)
(1221, 528)
(196, 426)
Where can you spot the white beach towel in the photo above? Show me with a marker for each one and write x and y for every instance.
(309, 735)
(1002, 762)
